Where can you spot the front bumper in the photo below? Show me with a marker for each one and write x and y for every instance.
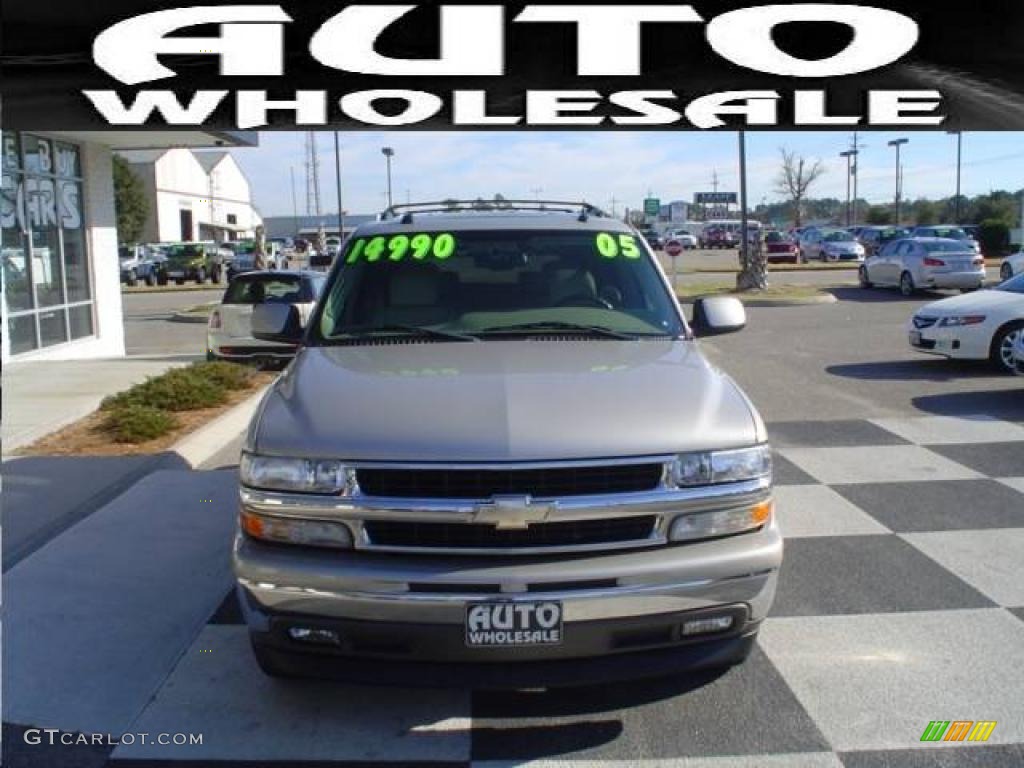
(410, 610)
(963, 343)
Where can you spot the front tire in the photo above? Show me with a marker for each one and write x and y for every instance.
(862, 276)
(907, 287)
(1005, 272)
(1001, 352)
(161, 279)
(150, 279)
(133, 278)
(200, 276)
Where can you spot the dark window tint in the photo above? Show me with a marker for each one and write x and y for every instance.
(268, 289)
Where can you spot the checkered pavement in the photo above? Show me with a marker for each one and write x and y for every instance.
(901, 601)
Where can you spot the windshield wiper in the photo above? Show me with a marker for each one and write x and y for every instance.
(366, 331)
(557, 325)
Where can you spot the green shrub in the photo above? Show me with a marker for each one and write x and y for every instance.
(131, 423)
(224, 374)
(180, 389)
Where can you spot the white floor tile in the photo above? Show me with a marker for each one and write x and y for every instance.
(817, 510)
(991, 561)
(944, 430)
(876, 464)
(875, 681)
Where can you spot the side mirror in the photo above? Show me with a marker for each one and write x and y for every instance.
(716, 315)
(277, 322)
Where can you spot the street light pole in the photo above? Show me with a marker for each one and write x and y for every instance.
(848, 154)
(295, 205)
(388, 153)
(959, 166)
(899, 174)
(337, 175)
(744, 249)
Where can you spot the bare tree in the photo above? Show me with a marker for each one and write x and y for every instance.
(795, 178)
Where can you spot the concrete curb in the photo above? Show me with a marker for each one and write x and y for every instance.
(204, 443)
(184, 317)
(825, 298)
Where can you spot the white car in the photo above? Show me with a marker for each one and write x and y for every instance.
(333, 246)
(1018, 355)
(229, 330)
(986, 325)
(924, 262)
(1012, 265)
(688, 240)
(830, 245)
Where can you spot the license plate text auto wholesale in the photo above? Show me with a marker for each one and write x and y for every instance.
(506, 623)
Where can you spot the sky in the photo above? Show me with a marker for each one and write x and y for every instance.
(613, 169)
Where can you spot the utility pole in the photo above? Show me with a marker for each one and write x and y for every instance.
(848, 154)
(337, 178)
(614, 201)
(959, 166)
(744, 240)
(295, 205)
(388, 153)
(899, 174)
(312, 175)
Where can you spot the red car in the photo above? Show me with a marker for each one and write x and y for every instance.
(779, 248)
(719, 237)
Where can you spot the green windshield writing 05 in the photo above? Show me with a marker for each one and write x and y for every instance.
(439, 245)
(610, 246)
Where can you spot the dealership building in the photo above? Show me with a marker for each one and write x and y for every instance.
(60, 295)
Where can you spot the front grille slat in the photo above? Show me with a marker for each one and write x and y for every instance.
(484, 483)
(567, 533)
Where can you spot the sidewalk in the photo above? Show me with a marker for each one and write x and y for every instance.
(41, 397)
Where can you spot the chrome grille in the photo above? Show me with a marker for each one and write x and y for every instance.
(482, 484)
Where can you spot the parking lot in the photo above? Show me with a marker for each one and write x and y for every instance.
(901, 600)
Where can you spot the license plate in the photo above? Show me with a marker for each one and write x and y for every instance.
(915, 338)
(506, 623)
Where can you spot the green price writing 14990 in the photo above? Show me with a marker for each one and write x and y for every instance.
(439, 245)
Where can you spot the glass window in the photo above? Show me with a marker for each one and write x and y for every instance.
(46, 265)
(39, 155)
(52, 328)
(22, 333)
(80, 321)
(269, 290)
(45, 255)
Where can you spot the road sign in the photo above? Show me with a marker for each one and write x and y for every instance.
(673, 248)
(652, 206)
(715, 198)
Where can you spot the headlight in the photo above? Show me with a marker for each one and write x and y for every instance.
(959, 320)
(708, 468)
(707, 525)
(287, 530)
(302, 475)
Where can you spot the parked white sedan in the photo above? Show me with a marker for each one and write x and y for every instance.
(1012, 265)
(229, 331)
(1018, 355)
(985, 325)
(924, 262)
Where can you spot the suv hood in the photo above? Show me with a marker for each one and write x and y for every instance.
(521, 400)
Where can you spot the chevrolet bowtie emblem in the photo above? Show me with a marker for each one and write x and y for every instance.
(516, 512)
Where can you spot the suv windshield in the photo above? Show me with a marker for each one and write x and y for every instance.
(954, 233)
(184, 251)
(485, 282)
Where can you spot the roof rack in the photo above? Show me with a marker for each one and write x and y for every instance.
(407, 210)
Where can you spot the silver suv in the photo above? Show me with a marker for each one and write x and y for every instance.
(499, 459)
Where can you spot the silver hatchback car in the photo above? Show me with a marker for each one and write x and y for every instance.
(924, 262)
(499, 459)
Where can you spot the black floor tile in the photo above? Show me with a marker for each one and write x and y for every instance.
(824, 576)
(748, 709)
(787, 473)
(942, 756)
(938, 505)
(992, 459)
(831, 434)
